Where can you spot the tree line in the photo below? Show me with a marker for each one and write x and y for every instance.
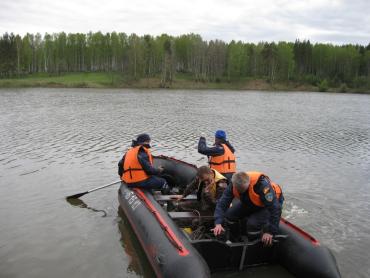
(206, 61)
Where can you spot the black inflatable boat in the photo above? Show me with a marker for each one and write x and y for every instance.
(179, 243)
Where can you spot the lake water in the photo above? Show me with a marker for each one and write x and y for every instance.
(58, 142)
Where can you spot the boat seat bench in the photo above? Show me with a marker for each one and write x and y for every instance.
(164, 198)
(187, 215)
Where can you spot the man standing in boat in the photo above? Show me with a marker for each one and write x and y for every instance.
(260, 201)
(209, 185)
(136, 166)
(221, 156)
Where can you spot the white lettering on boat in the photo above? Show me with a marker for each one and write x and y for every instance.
(131, 198)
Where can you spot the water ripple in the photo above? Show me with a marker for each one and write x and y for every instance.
(317, 146)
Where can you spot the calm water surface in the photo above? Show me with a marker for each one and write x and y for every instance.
(57, 142)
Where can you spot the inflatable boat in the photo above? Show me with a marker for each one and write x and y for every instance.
(179, 243)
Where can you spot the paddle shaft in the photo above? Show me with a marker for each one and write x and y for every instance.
(78, 195)
(103, 186)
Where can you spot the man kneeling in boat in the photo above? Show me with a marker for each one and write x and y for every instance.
(209, 185)
(136, 166)
(260, 201)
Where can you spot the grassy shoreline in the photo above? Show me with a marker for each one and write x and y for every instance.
(181, 81)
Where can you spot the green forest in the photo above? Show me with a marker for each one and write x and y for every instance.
(168, 57)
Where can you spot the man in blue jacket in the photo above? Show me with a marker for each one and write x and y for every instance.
(136, 166)
(260, 201)
(221, 155)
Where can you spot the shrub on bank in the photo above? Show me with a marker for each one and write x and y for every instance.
(323, 86)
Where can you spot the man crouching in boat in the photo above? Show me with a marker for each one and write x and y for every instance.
(136, 166)
(209, 185)
(260, 201)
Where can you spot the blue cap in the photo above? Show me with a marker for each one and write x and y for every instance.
(220, 134)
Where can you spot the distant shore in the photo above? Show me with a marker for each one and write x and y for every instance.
(181, 81)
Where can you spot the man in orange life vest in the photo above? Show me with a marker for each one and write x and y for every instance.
(221, 155)
(136, 166)
(260, 201)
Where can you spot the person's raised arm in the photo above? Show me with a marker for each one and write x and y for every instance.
(209, 151)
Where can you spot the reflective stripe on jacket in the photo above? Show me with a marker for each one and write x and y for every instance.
(224, 163)
(132, 169)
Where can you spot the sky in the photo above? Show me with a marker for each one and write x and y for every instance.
(327, 21)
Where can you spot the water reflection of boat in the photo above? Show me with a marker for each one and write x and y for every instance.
(138, 261)
(179, 243)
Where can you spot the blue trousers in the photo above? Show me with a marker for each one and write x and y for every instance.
(256, 219)
(153, 182)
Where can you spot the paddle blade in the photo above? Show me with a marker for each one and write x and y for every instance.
(76, 196)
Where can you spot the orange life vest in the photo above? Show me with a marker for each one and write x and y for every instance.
(253, 196)
(132, 169)
(223, 163)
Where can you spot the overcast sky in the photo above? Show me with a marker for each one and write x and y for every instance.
(335, 21)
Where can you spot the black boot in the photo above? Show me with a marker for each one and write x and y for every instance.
(166, 189)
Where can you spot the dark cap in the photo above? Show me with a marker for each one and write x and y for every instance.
(141, 138)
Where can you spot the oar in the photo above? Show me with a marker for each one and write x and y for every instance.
(78, 195)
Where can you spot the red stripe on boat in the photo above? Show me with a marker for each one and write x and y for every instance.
(313, 240)
(182, 250)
